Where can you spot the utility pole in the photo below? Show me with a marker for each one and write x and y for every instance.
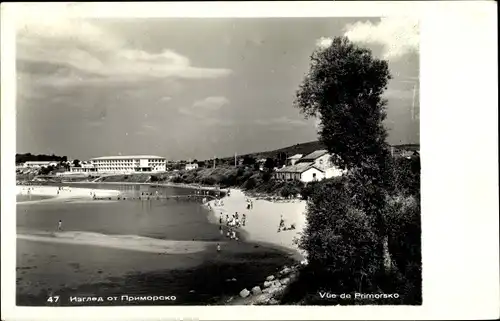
(413, 102)
(234, 159)
(214, 161)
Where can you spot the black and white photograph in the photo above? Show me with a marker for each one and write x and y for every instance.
(217, 161)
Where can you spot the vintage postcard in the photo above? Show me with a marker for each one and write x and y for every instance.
(222, 161)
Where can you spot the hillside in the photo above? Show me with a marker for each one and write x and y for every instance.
(303, 148)
(28, 157)
(307, 148)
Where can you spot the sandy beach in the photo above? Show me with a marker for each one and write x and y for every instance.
(263, 219)
(54, 193)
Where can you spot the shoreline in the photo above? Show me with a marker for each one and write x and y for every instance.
(261, 225)
(180, 185)
(55, 194)
(262, 213)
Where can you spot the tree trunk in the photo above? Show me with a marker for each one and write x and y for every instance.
(387, 255)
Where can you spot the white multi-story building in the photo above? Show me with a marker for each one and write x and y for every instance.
(129, 164)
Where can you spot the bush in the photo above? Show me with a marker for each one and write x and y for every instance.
(208, 180)
(266, 176)
(339, 239)
(251, 183)
(403, 223)
(406, 175)
(308, 189)
(291, 188)
(177, 179)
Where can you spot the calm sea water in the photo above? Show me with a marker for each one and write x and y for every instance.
(27, 198)
(162, 219)
(67, 269)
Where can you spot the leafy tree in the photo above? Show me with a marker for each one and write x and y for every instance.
(344, 89)
(404, 231)
(266, 176)
(339, 238)
(76, 163)
(269, 164)
(46, 170)
(249, 160)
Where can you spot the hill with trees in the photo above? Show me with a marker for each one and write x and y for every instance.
(28, 157)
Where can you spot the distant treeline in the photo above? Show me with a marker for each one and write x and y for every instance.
(21, 158)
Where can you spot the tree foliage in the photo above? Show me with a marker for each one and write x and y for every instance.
(22, 158)
(339, 238)
(353, 220)
(344, 89)
(249, 160)
(269, 164)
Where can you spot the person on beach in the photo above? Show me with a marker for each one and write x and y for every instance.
(227, 218)
(236, 215)
(59, 225)
(244, 219)
(218, 247)
(221, 230)
(282, 223)
(220, 219)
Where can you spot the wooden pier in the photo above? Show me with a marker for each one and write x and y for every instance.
(190, 197)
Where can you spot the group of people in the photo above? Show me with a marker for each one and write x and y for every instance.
(232, 223)
(27, 189)
(62, 188)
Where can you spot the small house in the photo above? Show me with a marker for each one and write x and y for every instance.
(191, 166)
(304, 172)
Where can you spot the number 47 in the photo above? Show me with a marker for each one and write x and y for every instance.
(53, 299)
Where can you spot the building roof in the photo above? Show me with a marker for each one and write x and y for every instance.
(296, 156)
(127, 157)
(314, 155)
(298, 168)
(40, 162)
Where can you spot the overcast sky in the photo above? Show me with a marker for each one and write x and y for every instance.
(189, 88)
